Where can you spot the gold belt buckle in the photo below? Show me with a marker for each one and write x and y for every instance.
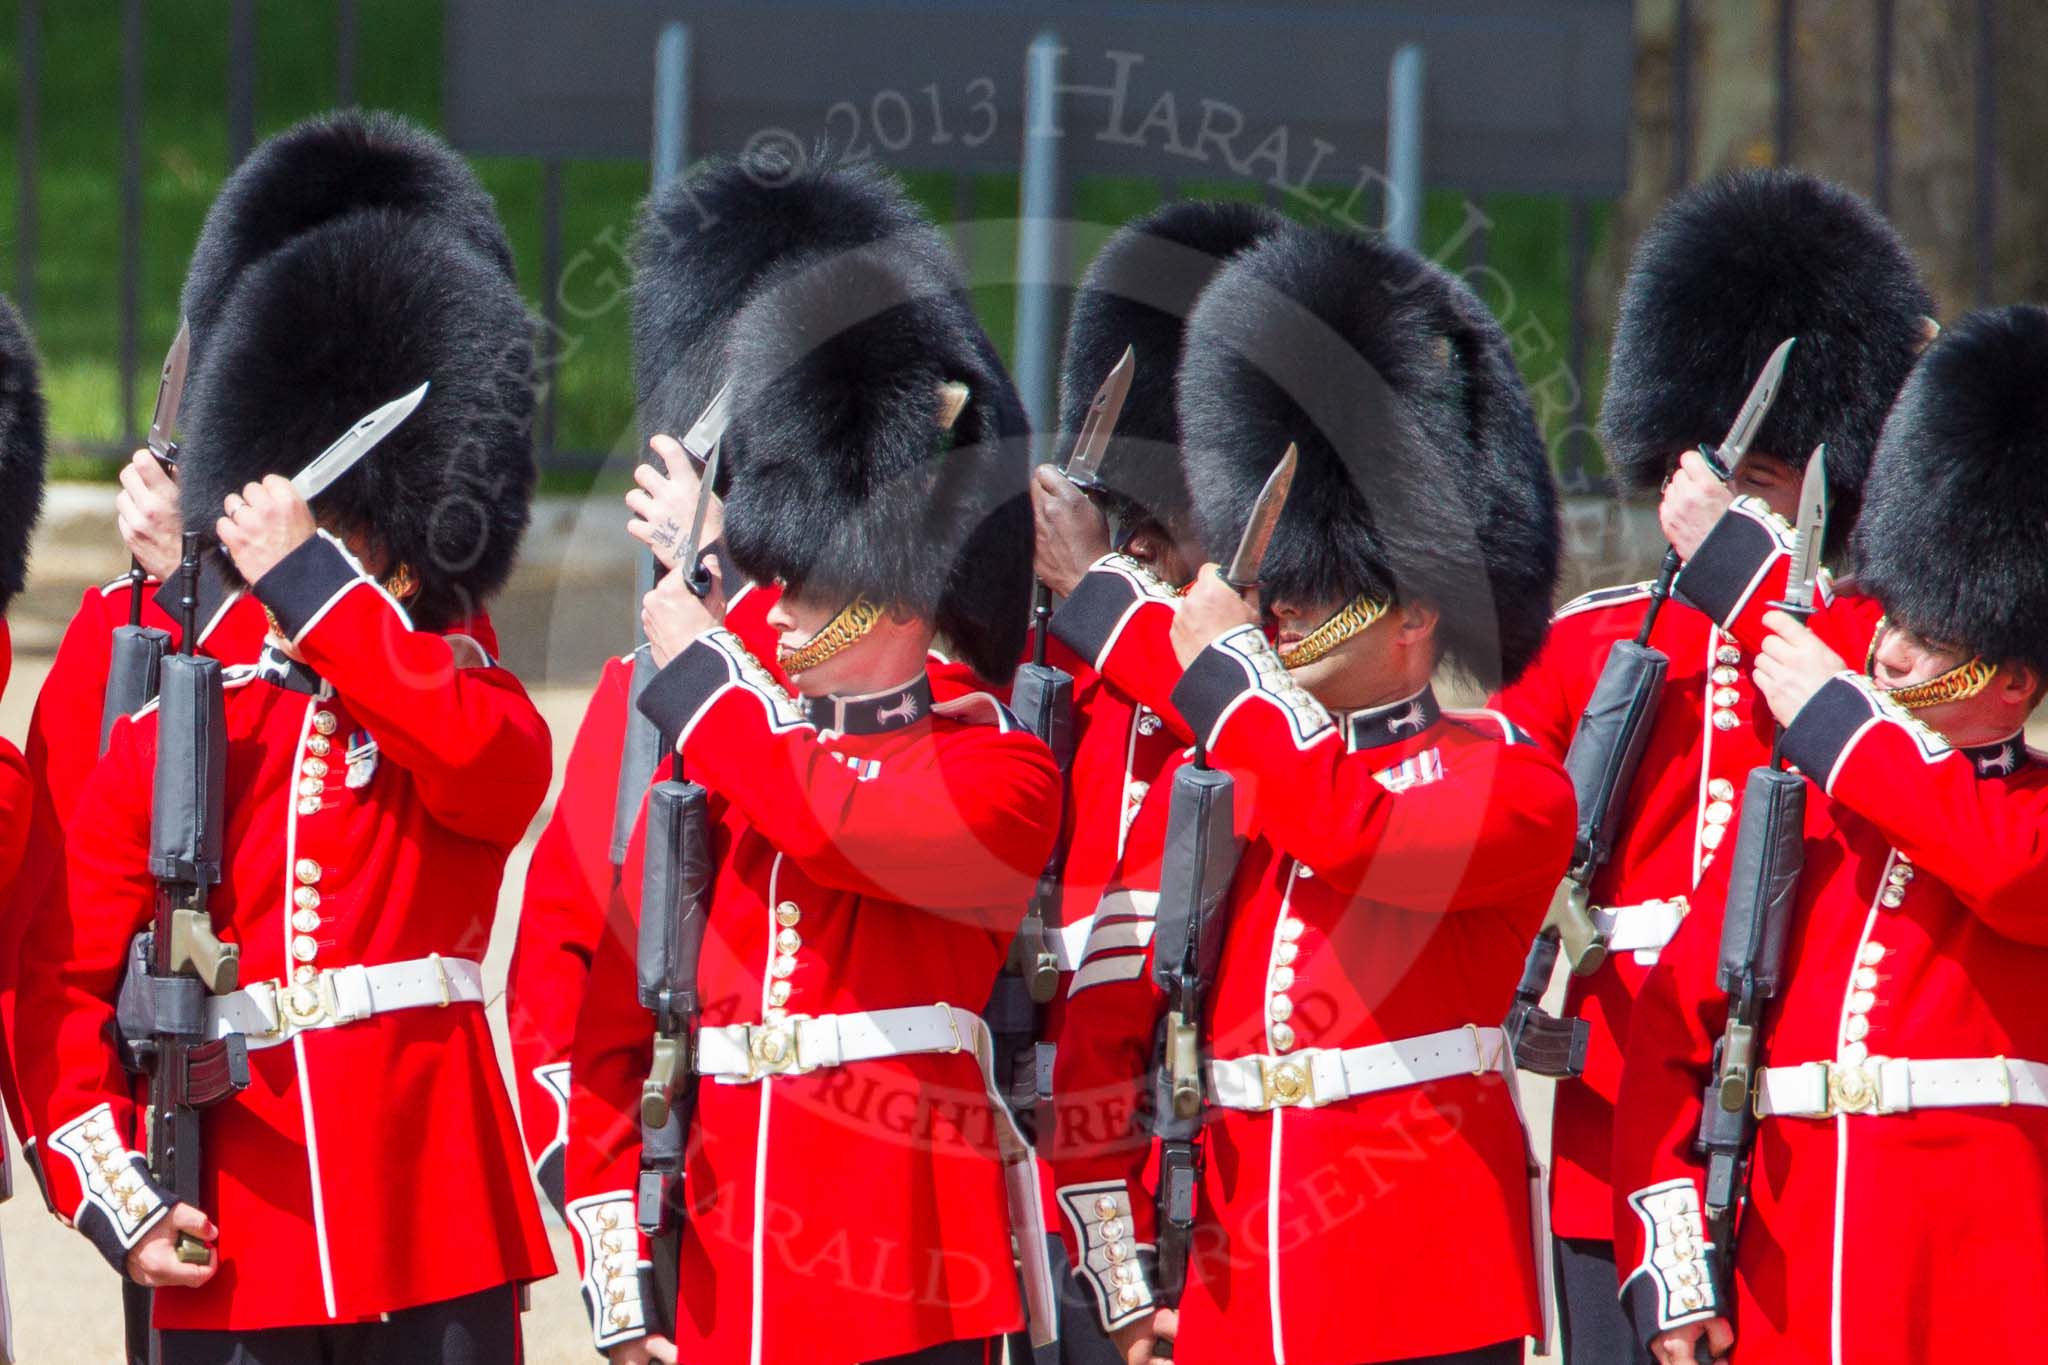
(1286, 1084)
(1851, 1089)
(772, 1049)
(301, 1004)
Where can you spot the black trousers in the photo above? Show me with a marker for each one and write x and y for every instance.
(1500, 1353)
(1594, 1329)
(476, 1329)
(977, 1351)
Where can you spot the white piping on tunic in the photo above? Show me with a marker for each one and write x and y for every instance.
(1842, 1132)
(761, 1133)
(291, 857)
(1699, 868)
(1273, 1161)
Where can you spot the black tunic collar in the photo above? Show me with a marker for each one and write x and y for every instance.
(2001, 759)
(1378, 726)
(872, 713)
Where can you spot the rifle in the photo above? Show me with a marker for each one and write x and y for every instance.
(1201, 854)
(1605, 751)
(1763, 886)
(675, 901)
(1043, 698)
(676, 897)
(1198, 863)
(181, 960)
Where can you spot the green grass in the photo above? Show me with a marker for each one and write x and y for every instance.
(184, 158)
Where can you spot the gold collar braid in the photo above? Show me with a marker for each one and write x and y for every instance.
(1353, 617)
(1960, 683)
(854, 620)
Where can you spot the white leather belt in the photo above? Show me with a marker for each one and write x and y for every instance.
(737, 1053)
(1896, 1085)
(1644, 927)
(270, 1013)
(1317, 1076)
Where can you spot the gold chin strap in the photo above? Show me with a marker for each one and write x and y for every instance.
(1357, 614)
(854, 620)
(1960, 683)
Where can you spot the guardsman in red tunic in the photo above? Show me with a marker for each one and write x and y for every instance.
(294, 184)
(1898, 1199)
(1137, 293)
(852, 1185)
(680, 311)
(1725, 273)
(22, 437)
(1362, 1136)
(365, 1197)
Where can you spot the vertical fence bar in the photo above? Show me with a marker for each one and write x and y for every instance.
(1681, 96)
(131, 214)
(1985, 153)
(1037, 226)
(347, 32)
(241, 80)
(671, 103)
(1405, 77)
(964, 240)
(671, 150)
(29, 121)
(1881, 107)
(1578, 252)
(551, 297)
(1781, 131)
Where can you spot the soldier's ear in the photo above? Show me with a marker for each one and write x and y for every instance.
(1929, 330)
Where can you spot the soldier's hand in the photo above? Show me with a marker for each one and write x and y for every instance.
(664, 504)
(1682, 1345)
(146, 510)
(1693, 501)
(263, 523)
(1792, 665)
(673, 616)
(1135, 1341)
(1211, 608)
(1069, 532)
(641, 1350)
(154, 1261)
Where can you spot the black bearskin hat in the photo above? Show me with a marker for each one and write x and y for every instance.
(1954, 534)
(1726, 271)
(340, 320)
(320, 170)
(1138, 292)
(22, 441)
(1422, 474)
(705, 239)
(842, 481)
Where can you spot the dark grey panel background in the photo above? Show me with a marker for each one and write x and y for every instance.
(1527, 95)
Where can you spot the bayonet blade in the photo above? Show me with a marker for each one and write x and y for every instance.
(170, 394)
(1243, 573)
(358, 441)
(1751, 415)
(709, 428)
(695, 575)
(1809, 531)
(1084, 461)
